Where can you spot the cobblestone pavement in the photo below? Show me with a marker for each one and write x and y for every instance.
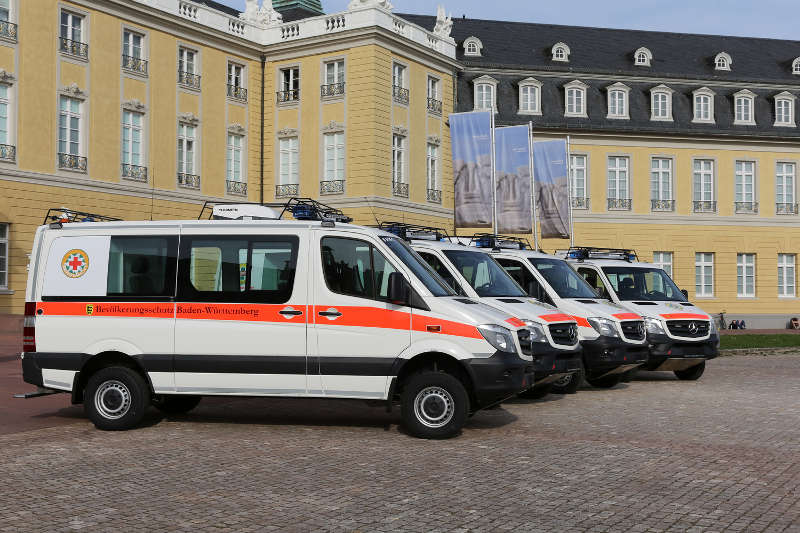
(720, 454)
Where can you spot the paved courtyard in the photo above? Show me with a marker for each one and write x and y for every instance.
(720, 454)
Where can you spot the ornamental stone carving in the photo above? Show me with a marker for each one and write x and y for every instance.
(287, 132)
(444, 24)
(361, 4)
(435, 140)
(400, 130)
(332, 127)
(134, 105)
(6, 77)
(73, 91)
(237, 129)
(262, 16)
(189, 118)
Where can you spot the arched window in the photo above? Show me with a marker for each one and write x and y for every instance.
(642, 57)
(796, 66)
(723, 61)
(472, 46)
(560, 52)
(575, 99)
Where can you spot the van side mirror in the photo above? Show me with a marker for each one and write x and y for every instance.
(398, 289)
(685, 293)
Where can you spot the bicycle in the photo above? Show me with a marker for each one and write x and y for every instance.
(723, 324)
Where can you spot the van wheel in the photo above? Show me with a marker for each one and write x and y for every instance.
(605, 382)
(434, 405)
(536, 393)
(116, 398)
(176, 404)
(569, 384)
(692, 373)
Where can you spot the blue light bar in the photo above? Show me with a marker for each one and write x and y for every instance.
(304, 212)
(484, 242)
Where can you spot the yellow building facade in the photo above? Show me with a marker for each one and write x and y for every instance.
(145, 110)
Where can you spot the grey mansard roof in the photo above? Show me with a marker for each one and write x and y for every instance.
(513, 51)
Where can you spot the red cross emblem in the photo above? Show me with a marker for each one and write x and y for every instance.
(75, 263)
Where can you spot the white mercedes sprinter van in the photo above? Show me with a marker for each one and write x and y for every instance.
(125, 314)
(553, 341)
(680, 335)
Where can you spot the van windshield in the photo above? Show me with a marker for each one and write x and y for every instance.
(484, 274)
(432, 281)
(560, 276)
(648, 284)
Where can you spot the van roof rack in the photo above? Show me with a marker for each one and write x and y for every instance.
(581, 253)
(299, 208)
(63, 215)
(498, 242)
(418, 232)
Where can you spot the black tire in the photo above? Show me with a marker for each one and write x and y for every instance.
(569, 384)
(176, 404)
(441, 397)
(536, 393)
(692, 373)
(605, 382)
(116, 398)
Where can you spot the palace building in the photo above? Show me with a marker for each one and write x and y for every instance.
(683, 147)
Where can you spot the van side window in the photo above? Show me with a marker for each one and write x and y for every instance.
(440, 269)
(593, 278)
(355, 268)
(238, 269)
(526, 280)
(141, 267)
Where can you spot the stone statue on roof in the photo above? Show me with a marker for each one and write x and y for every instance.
(358, 4)
(444, 24)
(264, 15)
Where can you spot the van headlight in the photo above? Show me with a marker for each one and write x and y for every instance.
(712, 327)
(654, 326)
(604, 326)
(499, 337)
(537, 331)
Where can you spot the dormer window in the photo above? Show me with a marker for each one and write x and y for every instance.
(796, 67)
(472, 46)
(560, 52)
(743, 107)
(575, 99)
(642, 57)
(703, 106)
(723, 61)
(485, 93)
(661, 103)
(784, 109)
(618, 101)
(530, 97)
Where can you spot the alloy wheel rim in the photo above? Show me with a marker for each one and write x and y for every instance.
(112, 399)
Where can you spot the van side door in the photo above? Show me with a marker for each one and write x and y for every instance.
(358, 333)
(594, 278)
(522, 275)
(242, 311)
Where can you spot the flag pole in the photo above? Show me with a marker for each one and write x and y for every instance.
(494, 180)
(533, 186)
(569, 183)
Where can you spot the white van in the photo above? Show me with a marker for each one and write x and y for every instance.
(125, 314)
(613, 339)
(681, 336)
(553, 341)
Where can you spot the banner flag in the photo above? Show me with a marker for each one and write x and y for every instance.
(552, 188)
(471, 138)
(513, 164)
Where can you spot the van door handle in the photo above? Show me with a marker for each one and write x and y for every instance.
(290, 312)
(330, 313)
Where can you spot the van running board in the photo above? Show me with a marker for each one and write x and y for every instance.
(40, 391)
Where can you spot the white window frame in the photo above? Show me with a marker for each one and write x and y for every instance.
(785, 175)
(69, 114)
(472, 41)
(796, 67)
(560, 52)
(664, 261)
(745, 269)
(787, 272)
(666, 93)
(338, 70)
(10, 11)
(233, 154)
(434, 88)
(237, 74)
(578, 163)
(483, 82)
(723, 61)
(661, 173)
(133, 129)
(72, 17)
(4, 253)
(621, 174)
(399, 149)
(8, 102)
(289, 78)
(786, 99)
(705, 277)
(642, 57)
(187, 144)
(744, 103)
(530, 85)
(432, 167)
(183, 59)
(334, 142)
(704, 190)
(617, 97)
(745, 170)
(128, 35)
(289, 151)
(698, 105)
(575, 97)
(399, 75)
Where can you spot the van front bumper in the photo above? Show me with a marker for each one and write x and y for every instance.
(551, 364)
(498, 377)
(669, 354)
(611, 355)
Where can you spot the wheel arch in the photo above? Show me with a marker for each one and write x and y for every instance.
(435, 361)
(104, 360)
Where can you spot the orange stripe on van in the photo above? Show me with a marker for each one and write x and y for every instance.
(582, 321)
(516, 322)
(557, 317)
(627, 316)
(689, 316)
(457, 329)
(365, 317)
(113, 309)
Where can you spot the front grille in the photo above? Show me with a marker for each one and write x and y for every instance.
(564, 334)
(688, 328)
(525, 343)
(633, 329)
